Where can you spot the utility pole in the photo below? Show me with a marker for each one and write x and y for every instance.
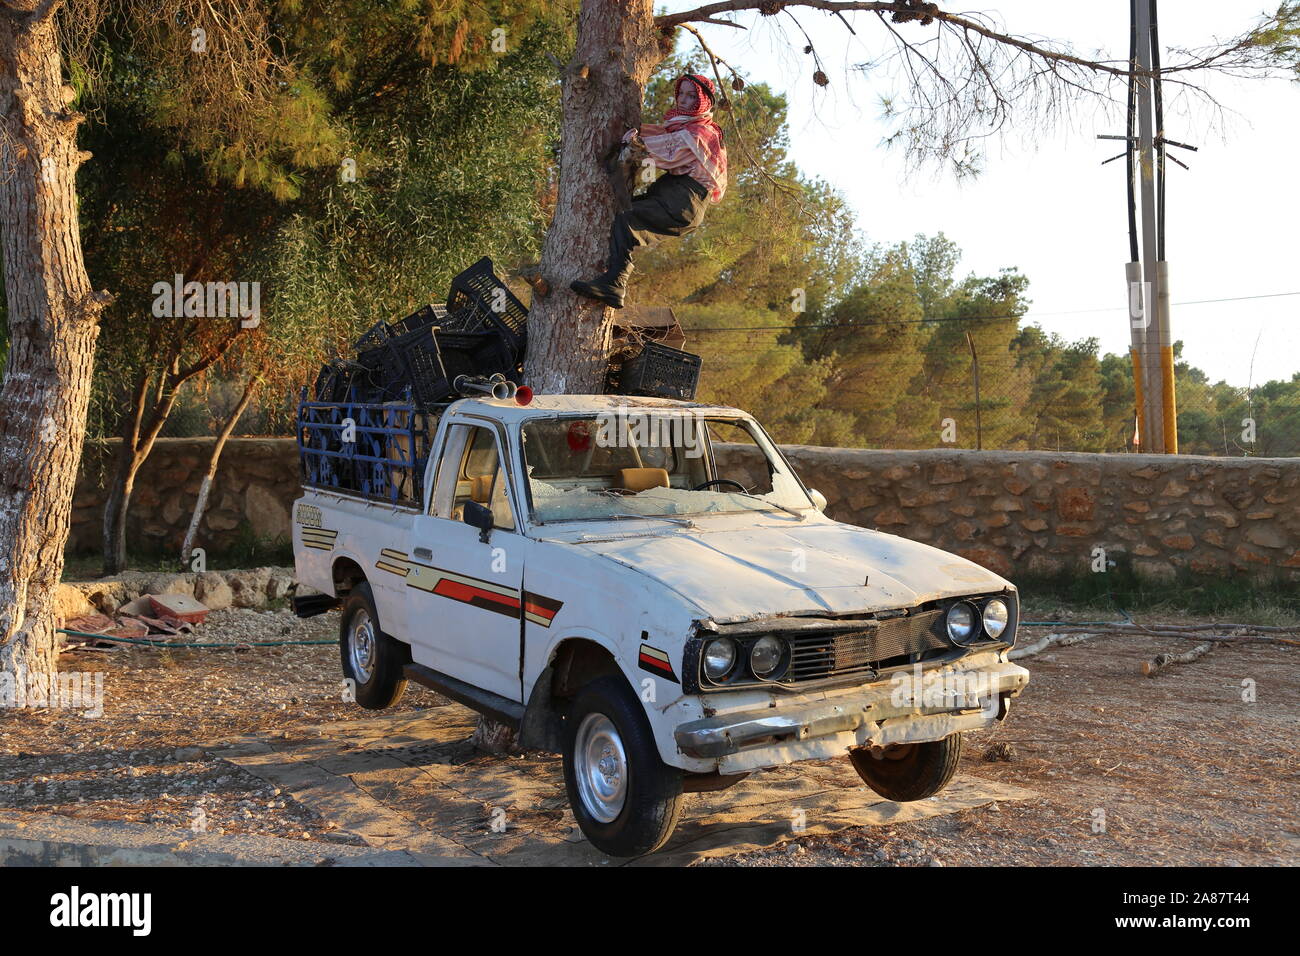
(1152, 413)
(1150, 340)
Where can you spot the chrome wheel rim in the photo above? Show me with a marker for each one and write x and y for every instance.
(601, 768)
(361, 646)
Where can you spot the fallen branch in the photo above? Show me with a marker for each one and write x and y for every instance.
(1179, 632)
(1263, 628)
(1042, 644)
(1161, 661)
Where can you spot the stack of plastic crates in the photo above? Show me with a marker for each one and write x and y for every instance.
(480, 332)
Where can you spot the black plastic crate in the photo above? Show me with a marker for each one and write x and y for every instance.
(372, 358)
(660, 372)
(422, 317)
(477, 354)
(338, 377)
(351, 378)
(415, 359)
(480, 301)
(324, 383)
(384, 379)
(373, 337)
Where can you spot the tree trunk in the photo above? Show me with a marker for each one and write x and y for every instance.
(53, 316)
(205, 488)
(490, 737)
(137, 443)
(116, 505)
(569, 336)
(617, 50)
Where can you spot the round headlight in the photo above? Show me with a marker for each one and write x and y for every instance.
(719, 656)
(995, 617)
(961, 622)
(765, 657)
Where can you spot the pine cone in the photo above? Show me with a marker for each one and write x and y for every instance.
(770, 8)
(737, 83)
(821, 79)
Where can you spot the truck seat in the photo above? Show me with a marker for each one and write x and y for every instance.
(639, 479)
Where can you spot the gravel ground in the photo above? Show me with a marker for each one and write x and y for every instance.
(140, 761)
(1175, 769)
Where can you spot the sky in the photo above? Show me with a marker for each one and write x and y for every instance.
(1044, 204)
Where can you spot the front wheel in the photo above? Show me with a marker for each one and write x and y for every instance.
(372, 660)
(906, 772)
(626, 800)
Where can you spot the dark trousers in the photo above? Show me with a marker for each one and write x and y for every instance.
(672, 206)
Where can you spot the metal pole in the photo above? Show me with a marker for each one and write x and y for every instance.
(1168, 404)
(1138, 317)
(1133, 268)
(1153, 433)
(1164, 338)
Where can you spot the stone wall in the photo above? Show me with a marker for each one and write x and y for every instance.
(1040, 513)
(1033, 513)
(255, 484)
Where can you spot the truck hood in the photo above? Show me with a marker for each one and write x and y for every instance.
(821, 568)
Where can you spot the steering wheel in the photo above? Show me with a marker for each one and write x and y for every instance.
(721, 481)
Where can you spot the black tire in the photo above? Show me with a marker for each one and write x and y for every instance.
(913, 772)
(386, 679)
(652, 800)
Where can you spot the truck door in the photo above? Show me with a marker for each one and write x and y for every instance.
(464, 594)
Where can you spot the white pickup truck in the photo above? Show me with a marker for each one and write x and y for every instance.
(646, 587)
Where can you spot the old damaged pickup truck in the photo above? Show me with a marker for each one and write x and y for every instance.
(646, 587)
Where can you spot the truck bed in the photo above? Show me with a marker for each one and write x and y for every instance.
(329, 527)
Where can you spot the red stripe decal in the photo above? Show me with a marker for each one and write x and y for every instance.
(463, 592)
(657, 663)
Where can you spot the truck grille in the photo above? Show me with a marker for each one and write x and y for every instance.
(817, 656)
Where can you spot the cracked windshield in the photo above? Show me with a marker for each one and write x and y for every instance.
(638, 464)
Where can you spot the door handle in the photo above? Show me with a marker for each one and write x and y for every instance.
(423, 553)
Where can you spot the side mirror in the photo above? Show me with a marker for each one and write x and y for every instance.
(818, 499)
(478, 516)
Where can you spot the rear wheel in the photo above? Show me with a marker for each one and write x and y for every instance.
(906, 772)
(626, 800)
(371, 659)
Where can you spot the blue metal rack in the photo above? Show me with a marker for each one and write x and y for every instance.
(387, 460)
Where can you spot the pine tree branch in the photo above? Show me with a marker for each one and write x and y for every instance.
(1235, 54)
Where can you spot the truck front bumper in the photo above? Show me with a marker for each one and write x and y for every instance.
(877, 714)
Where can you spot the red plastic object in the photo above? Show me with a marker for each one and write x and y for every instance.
(179, 606)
